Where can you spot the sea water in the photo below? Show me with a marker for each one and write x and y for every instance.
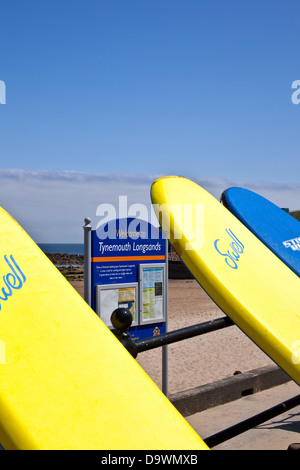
(62, 248)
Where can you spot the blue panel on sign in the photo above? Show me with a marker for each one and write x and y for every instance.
(108, 272)
(120, 246)
(147, 331)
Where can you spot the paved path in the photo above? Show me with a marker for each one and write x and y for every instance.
(276, 434)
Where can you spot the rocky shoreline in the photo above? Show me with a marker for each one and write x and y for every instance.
(71, 266)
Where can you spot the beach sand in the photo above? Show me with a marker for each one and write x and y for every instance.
(204, 359)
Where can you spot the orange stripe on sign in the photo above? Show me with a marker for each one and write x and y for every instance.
(129, 258)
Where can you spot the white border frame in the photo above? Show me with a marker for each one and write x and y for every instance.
(101, 287)
(143, 267)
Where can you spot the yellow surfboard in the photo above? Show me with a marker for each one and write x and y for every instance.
(65, 380)
(244, 278)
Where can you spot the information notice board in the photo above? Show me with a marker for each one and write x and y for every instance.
(129, 269)
(152, 305)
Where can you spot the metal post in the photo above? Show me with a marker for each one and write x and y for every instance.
(165, 371)
(87, 260)
(121, 319)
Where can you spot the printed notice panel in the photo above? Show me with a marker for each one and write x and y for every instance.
(151, 291)
(108, 298)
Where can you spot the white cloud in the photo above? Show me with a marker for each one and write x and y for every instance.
(52, 205)
(282, 194)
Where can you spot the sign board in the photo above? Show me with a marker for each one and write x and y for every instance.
(129, 269)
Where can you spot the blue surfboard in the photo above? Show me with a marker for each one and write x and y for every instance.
(277, 229)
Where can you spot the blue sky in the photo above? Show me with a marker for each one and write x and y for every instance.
(142, 88)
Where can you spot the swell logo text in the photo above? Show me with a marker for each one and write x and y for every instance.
(231, 255)
(13, 280)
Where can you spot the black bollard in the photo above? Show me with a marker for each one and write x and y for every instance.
(121, 320)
